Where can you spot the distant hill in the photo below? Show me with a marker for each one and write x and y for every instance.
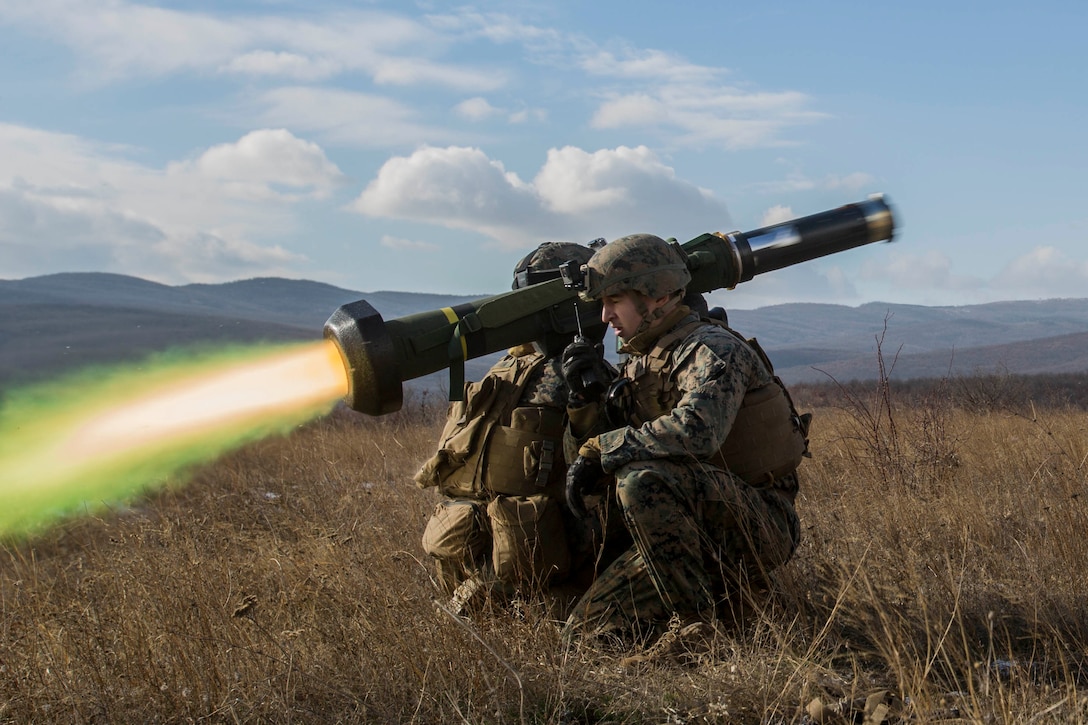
(55, 323)
(811, 342)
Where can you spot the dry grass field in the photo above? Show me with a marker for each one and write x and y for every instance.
(940, 580)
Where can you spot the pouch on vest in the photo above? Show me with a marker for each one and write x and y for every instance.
(466, 421)
(457, 530)
(529, 540)
(766, 441)
(525, 457)
(459, 465)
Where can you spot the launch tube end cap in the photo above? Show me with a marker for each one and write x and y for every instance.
(369, 358)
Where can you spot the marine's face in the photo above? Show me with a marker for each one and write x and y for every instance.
(623, 312)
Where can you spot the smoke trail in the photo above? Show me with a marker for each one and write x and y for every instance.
(102, 435)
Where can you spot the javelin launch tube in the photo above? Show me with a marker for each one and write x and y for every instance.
(722, 261)
(380, 355)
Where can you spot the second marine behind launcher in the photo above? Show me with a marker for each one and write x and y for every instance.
(500, 529)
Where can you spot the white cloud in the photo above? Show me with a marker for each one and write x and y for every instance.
(931, 269)
(576, 195)
(932, 277)
(618, 181)
(707, 114)
(528, 114)
(408, 245)
(476, 109)
(648, 64)
(119, 39)
(283, 64)
(649, 89)
(501, 28)
(800, 283)
(853, 182)
(480, 109)
(261, 161)
(660, 91)
(346, 117)
(417, 71)
(776, 215)
(456, 187)
(39, 235)
(1045, 271)
(71, 204)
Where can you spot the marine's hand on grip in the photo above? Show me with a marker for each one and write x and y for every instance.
(585, 370)
(585, 477)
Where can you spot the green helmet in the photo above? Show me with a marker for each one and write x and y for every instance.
(543, 262)
(564, 321)
(640, 262)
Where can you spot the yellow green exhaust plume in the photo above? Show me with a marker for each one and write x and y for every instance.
(105, 434)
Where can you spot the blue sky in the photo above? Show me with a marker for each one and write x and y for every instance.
(426, 147)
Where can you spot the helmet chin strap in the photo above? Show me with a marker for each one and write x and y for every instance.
(649, 317)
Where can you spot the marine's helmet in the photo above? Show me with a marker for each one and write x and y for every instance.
(543, 262)
(541, 265)
(640, 262)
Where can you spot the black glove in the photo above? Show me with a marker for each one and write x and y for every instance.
(585, 370)
(584, 477)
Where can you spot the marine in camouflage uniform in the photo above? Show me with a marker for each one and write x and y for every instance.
(705, 494)
(500, 465)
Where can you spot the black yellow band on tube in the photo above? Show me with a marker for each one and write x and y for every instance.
(454, 318)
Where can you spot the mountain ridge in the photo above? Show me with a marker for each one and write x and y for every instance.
(54, 323)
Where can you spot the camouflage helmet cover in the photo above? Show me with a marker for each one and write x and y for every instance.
(566, 320)
(549, 256)
(640, 262)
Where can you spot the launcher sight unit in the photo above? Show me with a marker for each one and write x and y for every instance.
(380, 355)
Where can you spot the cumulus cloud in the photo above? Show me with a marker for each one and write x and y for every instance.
(456, 187)
(42, 234)
(932, 277)
(776, 215)
(476, 109)
(931, 269)
(261, 162)
(576, 195)
(71, 204)
(1045, 271)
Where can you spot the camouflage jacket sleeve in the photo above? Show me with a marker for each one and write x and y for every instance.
(547, 387)
(712, 372)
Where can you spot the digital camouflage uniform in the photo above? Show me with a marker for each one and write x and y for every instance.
(701, 533)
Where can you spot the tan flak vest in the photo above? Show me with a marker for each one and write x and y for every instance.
(492, 446)
(768, 438)
(504, 458)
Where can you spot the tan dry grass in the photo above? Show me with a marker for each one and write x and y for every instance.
(939, 579)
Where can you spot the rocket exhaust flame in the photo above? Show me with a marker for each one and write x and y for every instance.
(77, 443)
